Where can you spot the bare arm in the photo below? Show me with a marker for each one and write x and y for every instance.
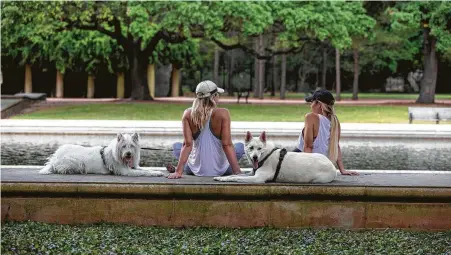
(308, 132)
(227, 145)
(186, 148)
(340, 165)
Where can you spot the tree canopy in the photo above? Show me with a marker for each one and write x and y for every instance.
(127, 36)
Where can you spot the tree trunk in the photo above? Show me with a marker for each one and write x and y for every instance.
(428, 83)
(273, 75)
(283, 76)
(28, 79)
(59, 84)
(151, 79)
(175, 85)
(303, 87)
(230, 72)
(91, 87)
(138, 74)
(120, 85)
(256, 70)
(324, 72)
(355, 85)
(338, 76)
(216, 66)
(261, 69)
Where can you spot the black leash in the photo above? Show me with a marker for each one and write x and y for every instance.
(155, 149)
(282, 154)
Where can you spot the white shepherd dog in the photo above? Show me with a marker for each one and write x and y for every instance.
(120, 157)
(293, 166)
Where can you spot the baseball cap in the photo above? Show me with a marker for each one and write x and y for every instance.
(321, 95)
(207, 88)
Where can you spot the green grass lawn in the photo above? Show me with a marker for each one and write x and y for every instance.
(412, 96)
(39, 238)
(242, 112)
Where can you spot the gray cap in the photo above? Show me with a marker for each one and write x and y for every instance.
(207, 88)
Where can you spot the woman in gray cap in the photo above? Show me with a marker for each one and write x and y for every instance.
(207, 149)
(321, 132)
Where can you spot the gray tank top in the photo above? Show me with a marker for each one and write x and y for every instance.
(207, 157)
(321, 142)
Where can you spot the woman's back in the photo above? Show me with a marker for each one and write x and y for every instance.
(207, 157)
(321, 141)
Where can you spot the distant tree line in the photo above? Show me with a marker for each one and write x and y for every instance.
(130, 49)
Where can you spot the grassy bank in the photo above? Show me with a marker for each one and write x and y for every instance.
(35, 238)
(168, 111)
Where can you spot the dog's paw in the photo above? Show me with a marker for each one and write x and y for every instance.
(157, 173)
(222, 178)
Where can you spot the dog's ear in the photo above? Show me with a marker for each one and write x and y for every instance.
(135, 137)
(263, 137)
(119, 136)
(248, 137)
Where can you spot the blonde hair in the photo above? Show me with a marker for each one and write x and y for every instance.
(329, 111)
(201, 110)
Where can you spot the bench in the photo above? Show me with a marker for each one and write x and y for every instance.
(436, 114)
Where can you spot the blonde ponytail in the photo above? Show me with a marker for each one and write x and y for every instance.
(329, 111)
(201, 110)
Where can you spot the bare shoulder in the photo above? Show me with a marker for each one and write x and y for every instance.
(311, 117)
(222, 112)
(187, 113)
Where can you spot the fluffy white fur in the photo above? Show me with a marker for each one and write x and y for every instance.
(121, 155)
(295, 168)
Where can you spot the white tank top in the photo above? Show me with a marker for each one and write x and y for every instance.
(207, 158)
(321, 142)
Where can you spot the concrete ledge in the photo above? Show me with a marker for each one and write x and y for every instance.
(219, 213)
(416, 201)
(23, 101)
(228, 192)
(239, 128)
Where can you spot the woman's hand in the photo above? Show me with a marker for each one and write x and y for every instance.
(175, 176)
(344, 172)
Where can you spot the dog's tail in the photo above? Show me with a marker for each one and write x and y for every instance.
(48, 169)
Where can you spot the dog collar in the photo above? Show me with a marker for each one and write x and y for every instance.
(102, 155)
(282, 154)
(260, 164)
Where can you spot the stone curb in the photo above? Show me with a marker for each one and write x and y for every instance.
(224, 191)
(174, 128)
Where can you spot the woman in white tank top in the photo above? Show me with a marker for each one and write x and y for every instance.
(207, 149)
(321, 132)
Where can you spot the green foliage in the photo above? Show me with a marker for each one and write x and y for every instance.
(413, 17)
(27, 238)
(88, 35)
(25, 31)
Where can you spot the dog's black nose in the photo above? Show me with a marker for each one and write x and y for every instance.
(255, 158)
(128, 154)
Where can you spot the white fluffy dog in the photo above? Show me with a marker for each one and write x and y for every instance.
(120, 157)
(294, 167)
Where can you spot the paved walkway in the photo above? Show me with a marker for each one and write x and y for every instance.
(366, 178)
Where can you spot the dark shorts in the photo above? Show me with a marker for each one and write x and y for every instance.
(297, 150)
